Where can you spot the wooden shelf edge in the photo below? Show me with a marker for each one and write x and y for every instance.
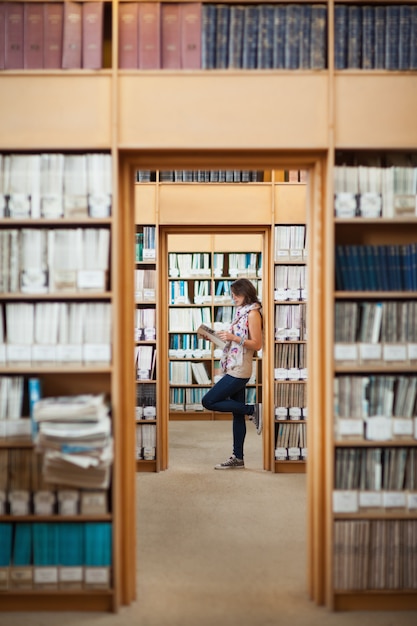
(15, 600)
(384, 600)
(145, 466)
(290, 467)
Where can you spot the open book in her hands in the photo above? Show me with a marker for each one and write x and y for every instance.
(208, 333)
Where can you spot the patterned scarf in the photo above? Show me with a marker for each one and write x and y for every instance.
(233, 352)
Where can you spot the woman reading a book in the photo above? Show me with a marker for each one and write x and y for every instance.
(228, 395)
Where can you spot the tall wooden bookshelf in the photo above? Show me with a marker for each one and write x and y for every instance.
(176, 119)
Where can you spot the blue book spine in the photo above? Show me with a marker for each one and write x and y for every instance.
(318, 39)
(389, 253)
(292, 37)
(404, 42)
(71, 544)
(6, 543)
(354, 37)
(399, 272)
(22, 544)
(208, 37)
(413, 38)
(45, 544)
(361, 261)
(368, 37)
(371, 270)
(380, 28)
(381, 262)
(222, 36)
(98, 544)
(250, 38)
(35, 394)
(356, 268)
(279, 36)
(413, 265)
(305, 36)
(236, 25)
(405, 252)
(342, 280)
(392, 36)
(265, 36)
(340, 36)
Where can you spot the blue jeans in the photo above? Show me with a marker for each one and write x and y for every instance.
(228, 396)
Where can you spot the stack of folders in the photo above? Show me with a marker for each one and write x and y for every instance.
(75, 438)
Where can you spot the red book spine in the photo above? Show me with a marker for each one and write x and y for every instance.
(14, 36)
(128, 35)
(71, 46)
(171, 36)
(191, 36)
(53, 28)
(2, 34)
(92, 48)
(33, 36)
(149, 35)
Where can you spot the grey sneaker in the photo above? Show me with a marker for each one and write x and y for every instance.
(232, 463)
(256, 418)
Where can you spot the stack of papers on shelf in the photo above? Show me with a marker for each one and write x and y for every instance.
(75, 438)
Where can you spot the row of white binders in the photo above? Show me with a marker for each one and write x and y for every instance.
(54, 185)
(198, 264)
(374, 191)
(290, 243)
(145, 324)
(37, 261)
(146, 442)
(55, 332)
(290, 322)
(290, 282)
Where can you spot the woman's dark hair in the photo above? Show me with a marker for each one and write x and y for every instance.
(244, 287)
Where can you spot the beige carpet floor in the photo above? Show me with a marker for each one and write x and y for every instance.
(218, 548)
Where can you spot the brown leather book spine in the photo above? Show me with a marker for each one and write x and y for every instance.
(191, 35)
(72, 35)
(92, 39)
(149, 35)
(33, 39)
(14, 36)
(128, 35)
(53, 33)
(171, 36)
